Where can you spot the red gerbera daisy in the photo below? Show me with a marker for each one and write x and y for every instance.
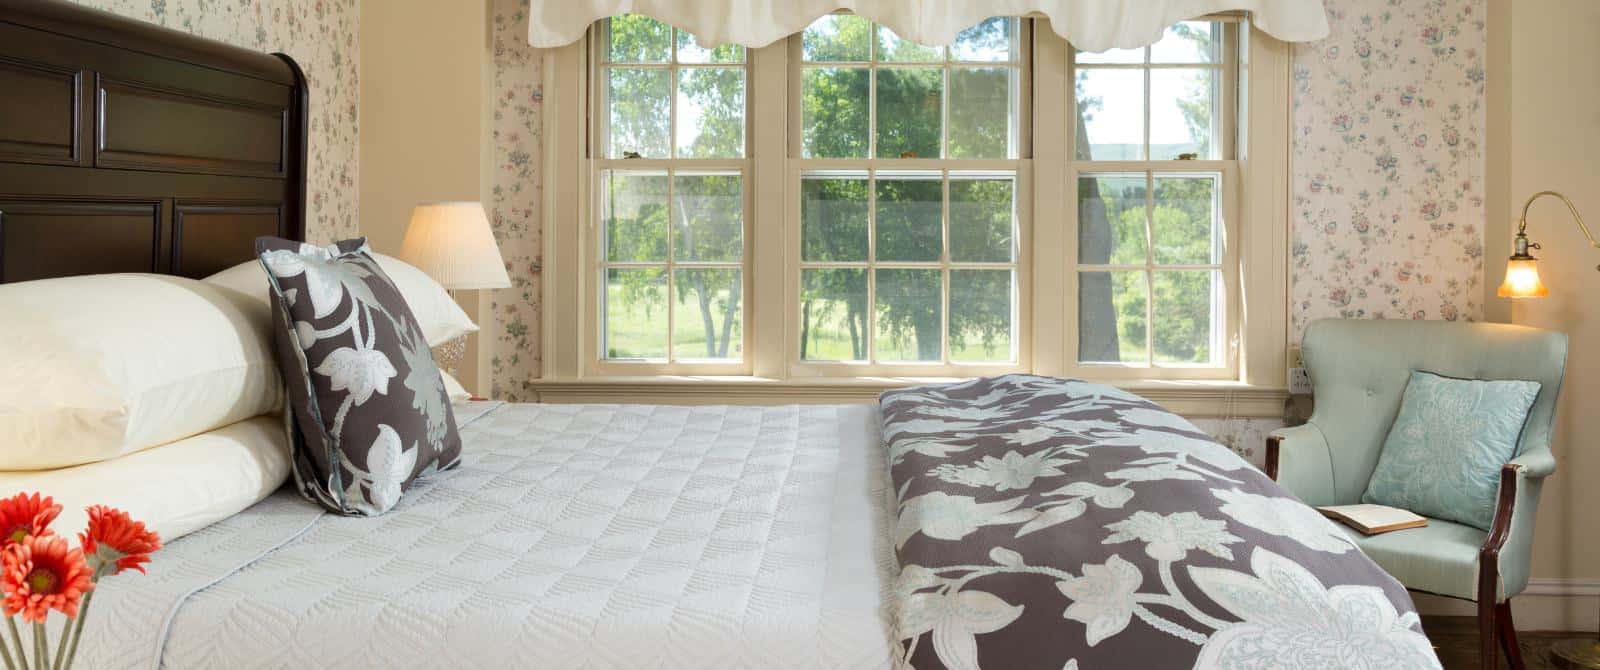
(23, 515)
(42, 574)
(113, 536)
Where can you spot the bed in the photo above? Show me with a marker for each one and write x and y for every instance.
(944, 530)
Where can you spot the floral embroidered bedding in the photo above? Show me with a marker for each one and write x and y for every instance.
(1048, 523)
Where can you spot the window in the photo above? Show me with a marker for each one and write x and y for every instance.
(671, 183)
(1153, 165)
(846, 203)
(908, 162)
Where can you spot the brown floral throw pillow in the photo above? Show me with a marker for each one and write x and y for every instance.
(369, 410)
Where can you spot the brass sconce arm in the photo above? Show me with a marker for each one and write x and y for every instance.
(1522, 223)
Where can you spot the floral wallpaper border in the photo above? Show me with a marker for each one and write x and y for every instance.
(321, 36)
(512, 321)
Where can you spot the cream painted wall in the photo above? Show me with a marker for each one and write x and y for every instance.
(1543, 100)
(1553, 142)
(424, 105)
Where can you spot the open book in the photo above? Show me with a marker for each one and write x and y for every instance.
(1373, 519)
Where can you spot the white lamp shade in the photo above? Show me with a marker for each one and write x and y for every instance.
(452, 242)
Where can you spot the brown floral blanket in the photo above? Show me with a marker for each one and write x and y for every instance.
(1050, 523)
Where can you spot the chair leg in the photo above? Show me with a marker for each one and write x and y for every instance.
(1488, 656)
(1507, 632)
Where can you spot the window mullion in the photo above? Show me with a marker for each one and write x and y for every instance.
(944, 263)
(871, 334)
(1149, 257)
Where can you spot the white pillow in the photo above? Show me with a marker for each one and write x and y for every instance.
(454, 389)
(98, 366)
(440, 317)
(175, 489)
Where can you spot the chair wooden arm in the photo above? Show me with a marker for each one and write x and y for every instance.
(1274, 451)
(1499, 531)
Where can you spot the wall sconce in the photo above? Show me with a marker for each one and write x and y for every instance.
(1522, 269)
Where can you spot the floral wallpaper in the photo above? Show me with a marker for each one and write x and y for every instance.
(321, 36)
(1388, 163)
(513, 317)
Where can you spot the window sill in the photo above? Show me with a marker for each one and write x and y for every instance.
(1188, 398)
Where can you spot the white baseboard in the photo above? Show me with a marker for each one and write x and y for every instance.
(1547, 604)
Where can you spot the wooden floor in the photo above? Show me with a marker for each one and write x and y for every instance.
(1456, 639)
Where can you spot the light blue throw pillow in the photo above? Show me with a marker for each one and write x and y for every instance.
(1443, 456)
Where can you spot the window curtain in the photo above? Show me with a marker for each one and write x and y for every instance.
(1091, 25)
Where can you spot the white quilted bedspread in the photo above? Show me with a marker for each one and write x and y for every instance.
(572, 536)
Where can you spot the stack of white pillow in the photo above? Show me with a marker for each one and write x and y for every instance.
(158, 395)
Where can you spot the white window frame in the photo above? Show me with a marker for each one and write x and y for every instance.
(1227, 166)
(799, 166)
(593, 246)
(1256, 217)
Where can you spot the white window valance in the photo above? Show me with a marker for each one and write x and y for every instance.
(1091, 25)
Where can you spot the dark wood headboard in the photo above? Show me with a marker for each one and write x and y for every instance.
(127, 147)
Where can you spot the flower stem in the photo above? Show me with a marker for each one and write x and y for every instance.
(5, 653)
(41, 647)
(77, 632)
(16, 639)
(61, 646)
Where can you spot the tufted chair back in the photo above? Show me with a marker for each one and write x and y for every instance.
(1359, 369)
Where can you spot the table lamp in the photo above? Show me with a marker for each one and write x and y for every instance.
(452, 243)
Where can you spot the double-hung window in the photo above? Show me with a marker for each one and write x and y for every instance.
(906, 162)
(671, 179)
(1153, 165)
(846, 203)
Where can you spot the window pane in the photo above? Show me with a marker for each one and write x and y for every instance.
(710, 112)
(895, 50)
(708, 324)
(1110, 114)
(909, 303)
(833, 218)
(634, 211)
(691, 51)
(1111, 317)
(980, 113)
(641, 110)
(1183, 113)
(708, 217)
(636, 38)
(908, 112)
(981, 308)
(1111, 56)
(1187, 313)
(910, 215)
(1189, 42)
(833, 315)
(981, 220)
(836, 37)
(636, 313)
(1111, 211)
(1185, 223)
(991, 41)
(834, 110)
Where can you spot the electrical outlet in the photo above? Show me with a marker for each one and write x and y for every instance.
(1299, 381)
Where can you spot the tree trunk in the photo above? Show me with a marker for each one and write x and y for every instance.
(735, 293)
(925, 327)
(805, 328)
(1097, 326)
(707, 321)
(857, 347)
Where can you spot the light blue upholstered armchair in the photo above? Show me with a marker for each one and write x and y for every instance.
(1359, 369)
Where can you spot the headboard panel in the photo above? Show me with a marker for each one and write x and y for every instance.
(127, 147)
